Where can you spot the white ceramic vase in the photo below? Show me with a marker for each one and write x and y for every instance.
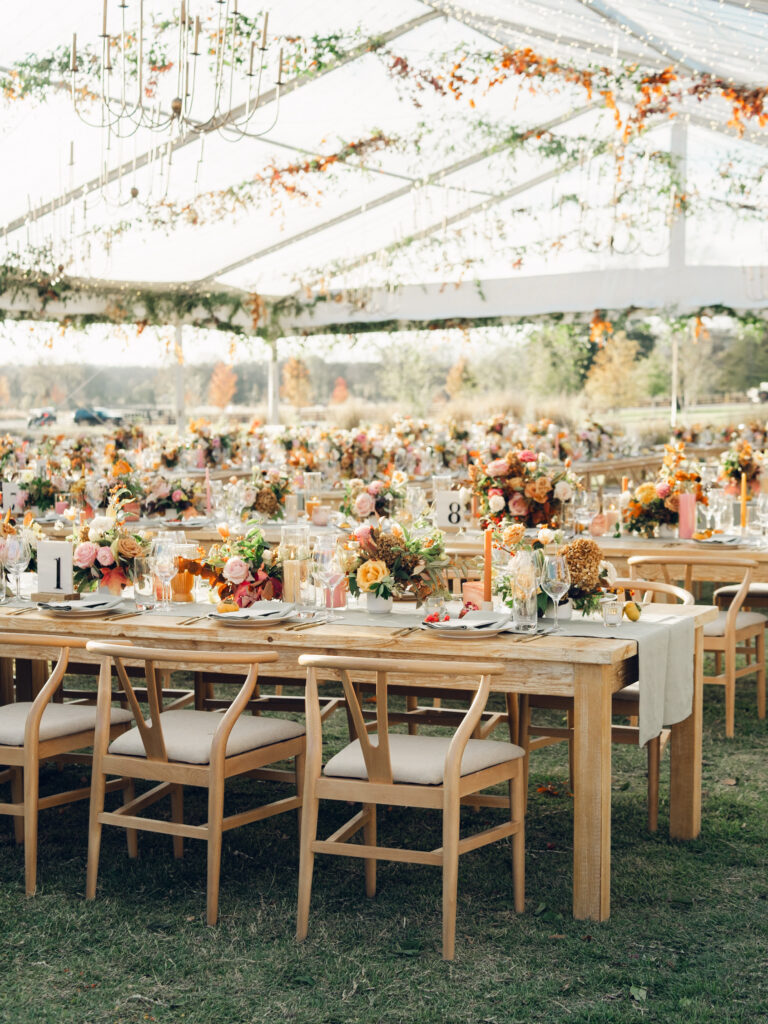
(378, 605)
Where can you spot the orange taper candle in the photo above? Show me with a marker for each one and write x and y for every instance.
(487, 541)
(625, 483)
(743, 501)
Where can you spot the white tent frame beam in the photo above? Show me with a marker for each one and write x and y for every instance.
(485, 25)
(632, 28)
(389, 197)
(266, 98)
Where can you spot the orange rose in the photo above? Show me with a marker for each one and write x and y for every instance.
(371, 572)
(538, 489)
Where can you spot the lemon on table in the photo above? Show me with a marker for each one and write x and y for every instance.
(632, 610)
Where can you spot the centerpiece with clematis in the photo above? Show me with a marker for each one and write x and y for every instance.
(395, 562)
(105, 550)
(522, 487)
(242, 570)
(741, 458)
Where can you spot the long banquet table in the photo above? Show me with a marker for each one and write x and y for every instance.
(589, 670)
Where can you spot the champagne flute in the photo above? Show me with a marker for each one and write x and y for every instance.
(555, 580)
(16, 555)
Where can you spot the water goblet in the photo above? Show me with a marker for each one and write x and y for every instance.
(555, 581)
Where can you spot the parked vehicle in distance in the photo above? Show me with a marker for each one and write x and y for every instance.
(41, 418)
(759, 394)
(97, 417)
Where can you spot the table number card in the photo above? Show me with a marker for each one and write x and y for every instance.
(450, 511)
(54, 567)
(11, 492)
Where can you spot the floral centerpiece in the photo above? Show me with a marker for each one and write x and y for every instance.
(378, 497)
(265, 494)
(7, 450)
(175, 496)
(215, 446)
(170, 455)
(522, 486)
(39, 492)
(741, 458)
(591, 575)
(242, 570)
(397, 562)
(105, 550)
(31, 531)
(657, 503)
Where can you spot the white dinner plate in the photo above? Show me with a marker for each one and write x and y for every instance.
(465, 633)
(80, 609)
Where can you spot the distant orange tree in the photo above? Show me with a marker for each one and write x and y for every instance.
(223, 385)
(297, 384)
(340, 392)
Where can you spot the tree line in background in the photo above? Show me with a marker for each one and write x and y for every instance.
(623, 368)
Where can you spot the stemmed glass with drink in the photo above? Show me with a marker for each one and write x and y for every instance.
(555, 580)
(329, 571)
(164, 563)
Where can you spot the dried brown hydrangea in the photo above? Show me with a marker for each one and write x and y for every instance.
(583, 558)
(266, 502)
(389, 548)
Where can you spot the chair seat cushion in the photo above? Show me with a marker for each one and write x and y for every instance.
(188, 735)
(743, 619)
(420, 760)
(58, 720)
(631, 692)
(755, 590)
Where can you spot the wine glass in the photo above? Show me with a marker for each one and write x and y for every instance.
(555, 580)
(164, 562)
(330, 572)
(16, 555)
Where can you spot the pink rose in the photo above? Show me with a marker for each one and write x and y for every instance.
(663, 489)
(526, 455)
(495, 490)
(105, 557)
(518, 506)
(178, 495)
(499, 467)
(235, 570)
(364, 504)
(85, 555)
(376, 487)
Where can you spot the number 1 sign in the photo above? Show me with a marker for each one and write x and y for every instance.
(54, 567)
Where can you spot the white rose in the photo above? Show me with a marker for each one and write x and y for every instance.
(496, 503)
(377, 451)
(546, 536)
(624, 499)
(465, 495)
(26, 476)
(563, 490)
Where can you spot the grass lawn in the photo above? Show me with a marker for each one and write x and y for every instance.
(687, 940)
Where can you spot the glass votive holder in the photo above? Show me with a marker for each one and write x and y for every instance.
(612, 610)
(143, 585)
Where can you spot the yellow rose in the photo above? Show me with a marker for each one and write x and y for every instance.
(511, 536)
(371, 572)
(646, 493)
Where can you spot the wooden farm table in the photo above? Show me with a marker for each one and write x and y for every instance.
(588, 670)
(618, 550)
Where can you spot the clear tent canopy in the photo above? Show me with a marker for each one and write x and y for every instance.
(456, 160)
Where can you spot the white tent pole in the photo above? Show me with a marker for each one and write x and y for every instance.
(677, 241)
(179, 352)
(273, 412)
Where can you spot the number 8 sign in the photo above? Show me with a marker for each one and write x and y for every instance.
(449, 511)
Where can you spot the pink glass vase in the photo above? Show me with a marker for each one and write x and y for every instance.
(687, 516)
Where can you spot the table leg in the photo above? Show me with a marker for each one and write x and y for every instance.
(6, 680)
(685, 758)
(592, 792)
